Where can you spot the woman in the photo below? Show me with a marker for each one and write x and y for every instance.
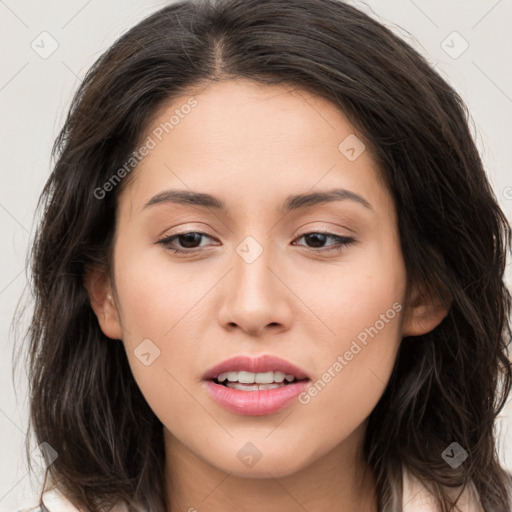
(196, 346)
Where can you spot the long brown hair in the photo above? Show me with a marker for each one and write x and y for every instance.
(447, 386)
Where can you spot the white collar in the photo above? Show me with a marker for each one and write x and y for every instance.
(416, 499)
(55, 501)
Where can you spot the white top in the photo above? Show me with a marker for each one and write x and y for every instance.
(416, 499)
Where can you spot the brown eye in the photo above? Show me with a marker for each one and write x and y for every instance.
(318, 239)
(188, 241)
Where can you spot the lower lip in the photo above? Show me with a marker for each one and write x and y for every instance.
(255, 403)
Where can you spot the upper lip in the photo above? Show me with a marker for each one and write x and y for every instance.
(262, 364)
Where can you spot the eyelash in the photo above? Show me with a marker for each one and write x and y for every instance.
(343, 241)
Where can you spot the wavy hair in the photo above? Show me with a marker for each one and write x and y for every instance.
(447, 386)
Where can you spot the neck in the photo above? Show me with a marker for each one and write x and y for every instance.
(338, 480)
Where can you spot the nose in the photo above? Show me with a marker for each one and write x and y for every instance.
(255, 297)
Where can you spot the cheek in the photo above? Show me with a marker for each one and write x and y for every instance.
(363, 310)
(157, 296)
(356, 368)
(159, 304)
(363, 289)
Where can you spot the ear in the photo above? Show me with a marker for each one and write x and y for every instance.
(424, 312)
(99, 289)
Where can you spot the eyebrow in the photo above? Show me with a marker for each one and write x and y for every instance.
(292, 202)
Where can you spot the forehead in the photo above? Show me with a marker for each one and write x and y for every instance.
(255, 142)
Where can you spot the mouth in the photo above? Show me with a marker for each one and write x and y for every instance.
(248, 381)
(266, 369)
(255, 386)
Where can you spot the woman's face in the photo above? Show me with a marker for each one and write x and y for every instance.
(252, 283)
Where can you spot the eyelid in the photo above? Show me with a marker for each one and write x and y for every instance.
(342, 241)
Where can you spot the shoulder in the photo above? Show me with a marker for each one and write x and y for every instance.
(417, 498)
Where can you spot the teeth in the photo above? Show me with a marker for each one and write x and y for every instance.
(254, 387)
(258, 378)
(280, 376)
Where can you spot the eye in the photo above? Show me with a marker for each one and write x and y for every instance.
(189, 241)
(319, 238)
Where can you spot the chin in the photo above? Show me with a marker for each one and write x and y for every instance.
(272, 466)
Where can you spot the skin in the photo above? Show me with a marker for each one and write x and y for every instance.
(252, 146)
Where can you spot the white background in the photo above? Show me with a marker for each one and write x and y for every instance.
(35, 94)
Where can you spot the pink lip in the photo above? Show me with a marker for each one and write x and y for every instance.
(262, 364)
(255, 403)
